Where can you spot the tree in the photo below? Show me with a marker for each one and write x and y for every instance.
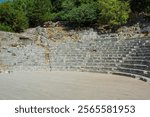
(14, 18)
(56, 5)
(39, 12)
(113, 12)
(78, 11)
(86, 13)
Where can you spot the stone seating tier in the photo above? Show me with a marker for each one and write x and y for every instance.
(135, 66)
(143, 62)
(103, 54)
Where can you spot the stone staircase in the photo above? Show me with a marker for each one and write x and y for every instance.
(102, 54)
(136, 64)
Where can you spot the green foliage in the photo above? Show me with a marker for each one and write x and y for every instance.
(140, 6)
(39, 12)
(85, 13)
(17, 15)
(77, 11)
(113, 12)
(20, 14)
(56, 5)
(68, 5)
(4, 27)
(14, 18)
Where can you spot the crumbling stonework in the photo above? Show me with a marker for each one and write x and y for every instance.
(57, 49)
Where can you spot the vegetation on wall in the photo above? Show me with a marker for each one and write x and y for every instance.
(17, 15)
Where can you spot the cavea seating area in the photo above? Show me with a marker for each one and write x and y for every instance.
(90, 53)
(91, 67)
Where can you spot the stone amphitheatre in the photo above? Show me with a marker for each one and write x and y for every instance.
(57, 63)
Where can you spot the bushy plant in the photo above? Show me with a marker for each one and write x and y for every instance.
(39, 12)
(113, 12)
(18, 15)
(14, 18)
(57, 5)
(4, 27)
(86, 13)
(78, 11)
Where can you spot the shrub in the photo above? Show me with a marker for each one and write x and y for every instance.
(57, 5)
(4, 27)
(113, 12)
(39, 12)
(14, 18)
(85, 13)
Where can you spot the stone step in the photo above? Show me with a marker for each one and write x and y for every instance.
(97, 69)
(133, 61)
(140, 54)
(101, 64)
(140, 77)
(132, 71)
(135, 66)
(139, 57)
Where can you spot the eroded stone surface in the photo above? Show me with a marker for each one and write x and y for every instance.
(58, 49)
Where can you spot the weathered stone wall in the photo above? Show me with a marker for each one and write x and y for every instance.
(48, 49)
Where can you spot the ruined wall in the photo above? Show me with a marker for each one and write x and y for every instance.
(57, 49)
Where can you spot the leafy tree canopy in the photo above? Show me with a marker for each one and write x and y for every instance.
(114, 12)
(17, 15)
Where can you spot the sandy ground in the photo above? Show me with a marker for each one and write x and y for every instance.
(71, 85)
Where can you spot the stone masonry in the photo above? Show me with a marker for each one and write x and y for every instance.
(84, 50)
